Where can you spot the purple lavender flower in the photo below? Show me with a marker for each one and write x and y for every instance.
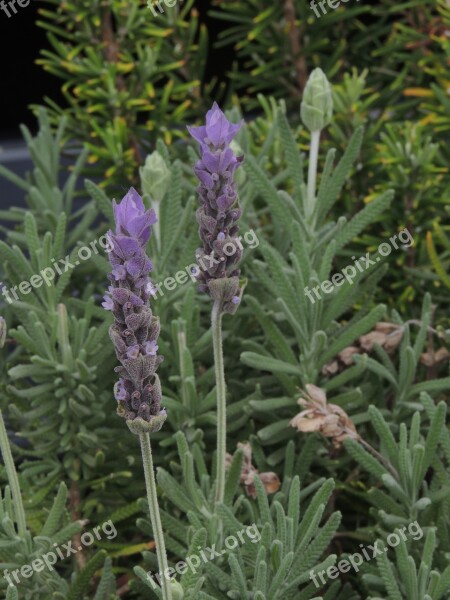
(219, 213)
(135, 330)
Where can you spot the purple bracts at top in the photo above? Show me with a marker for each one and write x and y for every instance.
(219, 213)
(135, 330)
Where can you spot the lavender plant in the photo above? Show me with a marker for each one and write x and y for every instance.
(134, 334)
(218, 218)
(58, 368)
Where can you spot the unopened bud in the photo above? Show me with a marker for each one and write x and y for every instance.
(316, 393)
(155, 176)
(177, 590)
(317, 104)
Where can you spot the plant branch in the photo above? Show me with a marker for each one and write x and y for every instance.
(312, 173)
(379, 457)
(155, 517)
(295, 36)
(111, 53)
(216, 324)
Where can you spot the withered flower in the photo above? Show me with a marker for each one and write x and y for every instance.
(387, 335)
(269, 480)
(328, 419)
(431, 358)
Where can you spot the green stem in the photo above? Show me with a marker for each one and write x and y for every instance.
(156, 227)
(381, 458)
(312, 173)
(13, 480)
(216, 324)
(155, 517)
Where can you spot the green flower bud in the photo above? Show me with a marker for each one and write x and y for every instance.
(317, 105)
(3, 331)
(155, 176)
(177, 590)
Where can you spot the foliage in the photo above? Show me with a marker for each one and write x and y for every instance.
(128, 76)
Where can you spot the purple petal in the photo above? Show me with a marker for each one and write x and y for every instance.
(198, 133)
(129, 208)
(138, 265)
(108, 303)
(120, 392)
(211, 161)
(204, 177)
(119, 273)
(125, 247)
(225, 159)
(225, 202)
(151, 348)
(133, 351)
(121, 296)
(151, 289)
(218, 128)
(140, 226)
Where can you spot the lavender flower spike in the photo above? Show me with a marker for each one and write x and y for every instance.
(135, 330)
(219, 213)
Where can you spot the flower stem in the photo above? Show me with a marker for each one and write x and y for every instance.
(216, 324)
(312, 173)
(13, 480)
(155, 517)
(381, 458)
(157, 225)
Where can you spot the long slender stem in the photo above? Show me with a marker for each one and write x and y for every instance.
(216, 324)
(155, 517)
(312, 172)
(13, 480)
(157, 225)
(381, 458)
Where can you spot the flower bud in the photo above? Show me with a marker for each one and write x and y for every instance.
(317, 105)
(177, 590)
(3, 331)
(155, 176)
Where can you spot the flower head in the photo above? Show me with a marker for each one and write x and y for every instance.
(135, 330)
(218, 214)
